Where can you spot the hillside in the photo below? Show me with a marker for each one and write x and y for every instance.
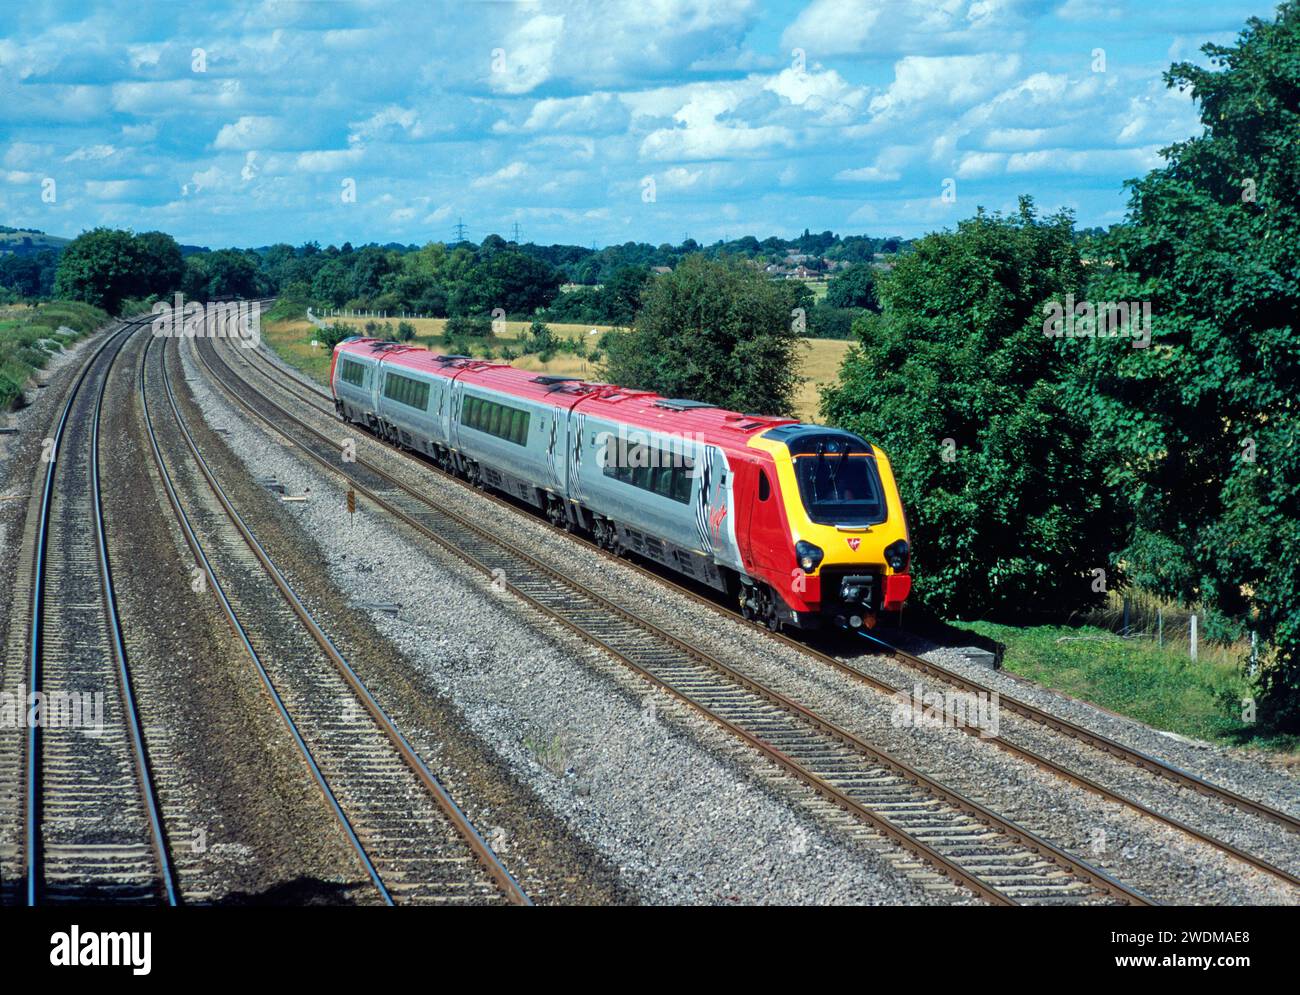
(29, 241)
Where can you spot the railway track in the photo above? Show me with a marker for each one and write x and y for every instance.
(91, 824)
(961, 839)
(313, 395)
(414, 842)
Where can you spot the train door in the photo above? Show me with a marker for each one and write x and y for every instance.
(715, 518)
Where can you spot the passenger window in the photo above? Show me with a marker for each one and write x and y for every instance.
(682, 484)
(764, 488)
(641, 477)
(664, 481)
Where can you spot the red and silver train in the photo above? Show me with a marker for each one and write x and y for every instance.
(801, 525)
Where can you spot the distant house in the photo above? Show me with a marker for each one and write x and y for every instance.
(803, 273)
(660, 270)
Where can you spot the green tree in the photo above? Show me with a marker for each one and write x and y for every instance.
(1204, 423)
(224, 273)
(712, 331)
(854, 287)
(105, 266)
(163, 267)
(955, 380)
(506, 279)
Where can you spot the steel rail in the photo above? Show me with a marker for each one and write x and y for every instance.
(196, 547)
(1078, 868)
(482, 851)
(32, 840)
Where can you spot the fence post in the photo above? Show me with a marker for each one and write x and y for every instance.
(1160, 625)
(1193, 633)
(1125, 617)
(1254, 653)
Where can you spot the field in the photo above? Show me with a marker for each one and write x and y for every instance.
(292, 340)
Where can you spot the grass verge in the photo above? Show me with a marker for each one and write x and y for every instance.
(30, 336)
(1161, 686)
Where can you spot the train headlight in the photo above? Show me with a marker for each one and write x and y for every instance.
(808, 555)
(896, 554)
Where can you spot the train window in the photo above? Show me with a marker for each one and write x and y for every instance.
(404, 390)
(663, 481)
(764, 487)
(352, 372)
(641, 477)
(494, 419)
(519, 427)
(682, 484)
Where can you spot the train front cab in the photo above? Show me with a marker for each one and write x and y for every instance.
(829, 535)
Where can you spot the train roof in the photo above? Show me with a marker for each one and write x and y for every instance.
(639, 408)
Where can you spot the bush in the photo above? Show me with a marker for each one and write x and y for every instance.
(332, 334)
(477, 326)
(405, 331)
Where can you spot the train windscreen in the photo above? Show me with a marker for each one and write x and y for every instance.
(838, 481)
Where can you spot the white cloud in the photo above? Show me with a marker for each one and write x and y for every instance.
(249, 132)
(524, 60)
(91, 153)
(504, 176)
(874, 27)
(868, 174)
(108, 189)
(327, 160)
(947, 80)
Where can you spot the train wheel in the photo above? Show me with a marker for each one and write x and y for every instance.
(759, 604)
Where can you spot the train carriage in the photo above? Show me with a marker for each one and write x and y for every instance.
(799, 524)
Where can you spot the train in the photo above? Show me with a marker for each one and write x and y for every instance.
(800, 526)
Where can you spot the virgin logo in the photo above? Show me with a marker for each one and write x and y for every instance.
(854, 543)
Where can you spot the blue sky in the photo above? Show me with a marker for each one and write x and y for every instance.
(583, 122)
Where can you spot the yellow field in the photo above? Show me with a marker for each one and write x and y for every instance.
(292, 341)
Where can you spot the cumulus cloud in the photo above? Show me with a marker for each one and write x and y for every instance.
(874, 27)
(249, 132)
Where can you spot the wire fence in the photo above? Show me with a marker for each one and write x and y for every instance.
(1142, 615)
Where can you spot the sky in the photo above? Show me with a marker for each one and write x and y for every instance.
(589, 122)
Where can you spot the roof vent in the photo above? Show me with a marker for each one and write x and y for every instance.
(682, 405)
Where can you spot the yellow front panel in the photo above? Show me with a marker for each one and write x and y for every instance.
(836, 544)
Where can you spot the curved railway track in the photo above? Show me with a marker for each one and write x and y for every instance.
(311, 394)
(961, 839)
(92, 829)
(414, 842)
